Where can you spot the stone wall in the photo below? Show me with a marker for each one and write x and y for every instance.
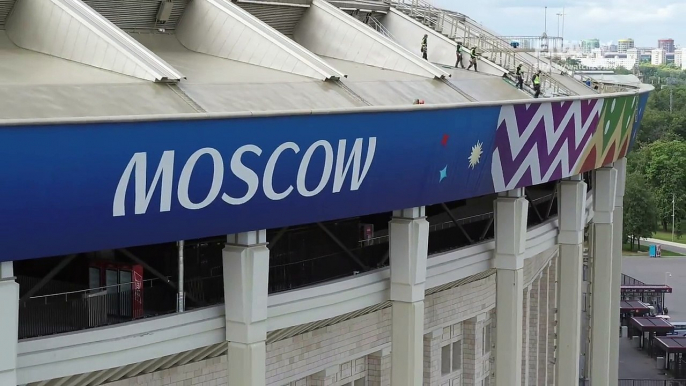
(340, 354)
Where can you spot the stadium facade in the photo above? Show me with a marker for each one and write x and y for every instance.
(303, 222)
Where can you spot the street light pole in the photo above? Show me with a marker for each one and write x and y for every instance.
(563, 29)
(673, 204)
(664, 301)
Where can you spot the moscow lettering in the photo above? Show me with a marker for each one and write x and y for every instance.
(339, 163)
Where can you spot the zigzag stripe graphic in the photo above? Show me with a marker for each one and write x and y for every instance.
(547, 139)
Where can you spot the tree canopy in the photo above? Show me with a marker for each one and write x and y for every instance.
(657, 165)
(640, 215)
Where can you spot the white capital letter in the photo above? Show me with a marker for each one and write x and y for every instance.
(244, 173)
(165, 171)
(326, 173)
(185, 179)
(355, 158)
(269, 173)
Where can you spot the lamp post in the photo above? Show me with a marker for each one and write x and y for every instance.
(664, 296)
(673, 205)
(561, 35)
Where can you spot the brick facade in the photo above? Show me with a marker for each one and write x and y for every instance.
(461, 318)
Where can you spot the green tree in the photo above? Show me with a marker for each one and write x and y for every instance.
(640, 215)
(663, 163)
(620, 70)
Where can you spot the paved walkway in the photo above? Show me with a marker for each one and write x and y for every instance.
(636, 364)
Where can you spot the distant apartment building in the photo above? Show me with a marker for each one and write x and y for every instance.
(609, 60)
(658, 56)
(587, 45)
(666, 44)
(679, 56)
(624, 44)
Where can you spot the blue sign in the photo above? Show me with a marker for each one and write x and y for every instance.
(85, 187)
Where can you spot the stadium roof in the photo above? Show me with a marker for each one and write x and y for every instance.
(90, 58)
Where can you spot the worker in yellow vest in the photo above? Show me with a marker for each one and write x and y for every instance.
(425, 47)
(537, 84)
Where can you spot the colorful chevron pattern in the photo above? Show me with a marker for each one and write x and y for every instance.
(537, 143)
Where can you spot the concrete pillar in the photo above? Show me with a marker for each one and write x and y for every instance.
(572, 220)
(602, 314)
(329, 377)
(618, 225)
(543, 328)
(470, 353)
(526, 315)
(511, 209)
(409, 244)
(534, 320)
(246, 279)
(9, 320)
(553, 276)
(376, 376)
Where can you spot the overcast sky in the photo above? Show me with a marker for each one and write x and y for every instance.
(608, 20)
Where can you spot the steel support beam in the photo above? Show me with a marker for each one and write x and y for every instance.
(278, 237)
(486, 228)
(385, 257)
(552, 201)
(531, 203)
(458, 225)
(58, 268)
(343, 247)
(152, 270)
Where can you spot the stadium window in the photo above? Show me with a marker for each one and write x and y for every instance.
(487, 339)
(457, 355)
(445, 360)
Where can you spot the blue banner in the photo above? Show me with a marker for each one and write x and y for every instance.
(77, 188)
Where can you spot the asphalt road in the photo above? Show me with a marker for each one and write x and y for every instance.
(655, 271)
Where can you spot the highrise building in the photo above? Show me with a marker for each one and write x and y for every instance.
(587, 45)
(624, 44)
(679, 58)
(666, 44)
(657, 56)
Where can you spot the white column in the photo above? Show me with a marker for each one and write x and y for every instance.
(526, 320)
(602, 314)
(246, 279)
(572, 220)
(511, 209)
(409, 243)
(9, 318)
(618, 224)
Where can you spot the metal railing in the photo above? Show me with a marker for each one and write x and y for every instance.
(628, 280)
(459, 27)
(80, 310)
(291, 267)
(642, 382)
(376, 24)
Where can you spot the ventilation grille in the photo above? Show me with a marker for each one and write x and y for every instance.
(137, 14)
(282, 18)
(5, 8)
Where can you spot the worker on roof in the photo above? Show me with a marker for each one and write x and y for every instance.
(425, 47)
(459, 55)
(520, 76)
(472, 61)
(537, 83)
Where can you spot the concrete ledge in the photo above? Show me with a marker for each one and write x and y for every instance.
(223, 29)
(70, 29)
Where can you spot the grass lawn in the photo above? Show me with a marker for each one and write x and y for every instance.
(644, 251)
(667, 236)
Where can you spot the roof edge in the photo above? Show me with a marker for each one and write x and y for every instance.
(97, 42)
